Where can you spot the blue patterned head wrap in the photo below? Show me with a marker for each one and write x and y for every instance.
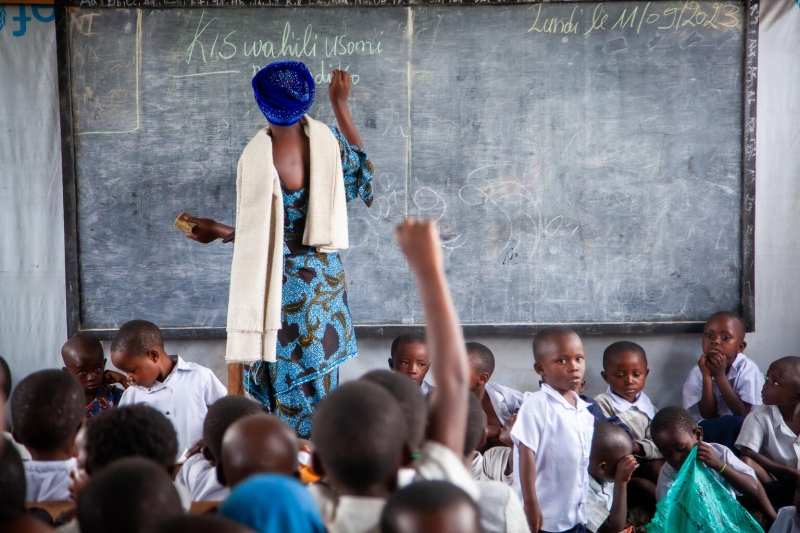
(284, 91)
(270, 503)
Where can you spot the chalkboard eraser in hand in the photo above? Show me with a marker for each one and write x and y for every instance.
(182, 224)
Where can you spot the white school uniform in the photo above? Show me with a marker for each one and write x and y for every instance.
(437, 462)
(787, 521)
(598, 503)
(668, 474)
(561, 437)
(425, 388)
(495, 461)
(764, 431)
(183, 397)
(356, 514)
(477, 465)
(745, 378)
(505, 400)
(48, 481)
(199, 478)
(501, 510)
(637, 416)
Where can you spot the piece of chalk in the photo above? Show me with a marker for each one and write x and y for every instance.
(182, 224)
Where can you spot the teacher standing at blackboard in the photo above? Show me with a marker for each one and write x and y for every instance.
(287, 312)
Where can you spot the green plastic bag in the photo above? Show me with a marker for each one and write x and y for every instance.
(698, 502)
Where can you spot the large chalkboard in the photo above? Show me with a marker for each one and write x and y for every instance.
(588, 163)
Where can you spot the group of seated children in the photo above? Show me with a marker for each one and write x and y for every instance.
(390, 452)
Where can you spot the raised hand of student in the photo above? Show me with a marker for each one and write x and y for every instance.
(625, 469)
(207, 230)
(110, 377)
(705, 454)
(419, 241)
(339, 92)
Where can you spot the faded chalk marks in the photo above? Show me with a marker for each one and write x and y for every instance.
(693, 38)
(615, 45)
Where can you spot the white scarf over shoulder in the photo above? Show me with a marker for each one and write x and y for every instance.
(254, 305)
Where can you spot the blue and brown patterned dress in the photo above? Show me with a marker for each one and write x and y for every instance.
(316, 334)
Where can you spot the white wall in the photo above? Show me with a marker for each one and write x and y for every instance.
(32, 315)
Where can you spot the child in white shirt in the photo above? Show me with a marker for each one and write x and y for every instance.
(409, 357)
(47, 409)
(725, 385)
(181, 391)
(553, 436)
(610, 467)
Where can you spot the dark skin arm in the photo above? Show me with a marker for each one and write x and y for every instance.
(776, 469)
(619, 508)
(527, 477)
(420, 243)
(715, 366)
(209, 230)
(738, 480)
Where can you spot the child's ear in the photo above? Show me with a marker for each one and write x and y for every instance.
(698, 433)
(742, 346)
(537, 366)
(104, 362)
(153, 355)
(646, 372)
(602, 466)
(605, 376)
(391, 364)
(483, 378)
(208, 456)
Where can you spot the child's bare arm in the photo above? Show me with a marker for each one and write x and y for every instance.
(740, 481)
(448, 415)
(731, 397)
(776, 469)
(339, 91)
(619, 508)
(527, 478)
(708, 400)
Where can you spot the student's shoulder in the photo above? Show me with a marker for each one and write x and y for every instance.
(604, 401)
(748, 367)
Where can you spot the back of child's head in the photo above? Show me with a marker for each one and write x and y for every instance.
(12, 483)
(430, 506)
(130, 431)
(257, 444)
(404, 340)
(360, 431)
(411, 401)
(545, 338)
(5, 380)
(610, 444)
(205, 523)
(480, 358)
(673, 418)
(476, 426)
(130, 496)
(134, 338)
(620, 347)
(221, 414)
(47, 408)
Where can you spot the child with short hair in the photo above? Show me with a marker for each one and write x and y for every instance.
(257, 444)
(180, 390)
(610, 467)
(430, 506)
(83, 358)
(553, 436)
(47, 409)
(199, 474)
(409, 357)
(725, 386)
(625, 370)
(498, 401)
(769, 435)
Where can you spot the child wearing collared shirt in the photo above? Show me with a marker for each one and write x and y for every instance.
(553, 436)
(181, 391)
(769, 440)
(725, 385)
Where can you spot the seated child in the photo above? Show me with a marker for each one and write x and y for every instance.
(725, 385)
(788, 520)
(498, 463)
(12, 485)
(430, 506)
(409, 356)
(552, 436)
(199, 473)
(181, 391)
(498, 401)
(625, 370)
(132, 496)
(269, 503)
(257, 444)
(610, 467)
(501, 510)
(363, 470)
(47, 409)
(5, 394)
(676, 433)
(83, 358)
(768, 439)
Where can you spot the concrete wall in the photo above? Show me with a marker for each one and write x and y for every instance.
(32, 323)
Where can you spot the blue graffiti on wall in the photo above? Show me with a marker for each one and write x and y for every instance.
(23, 18)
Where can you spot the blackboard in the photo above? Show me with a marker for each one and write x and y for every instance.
(588, 163)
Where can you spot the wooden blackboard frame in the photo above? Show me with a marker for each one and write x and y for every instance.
(72, 257)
